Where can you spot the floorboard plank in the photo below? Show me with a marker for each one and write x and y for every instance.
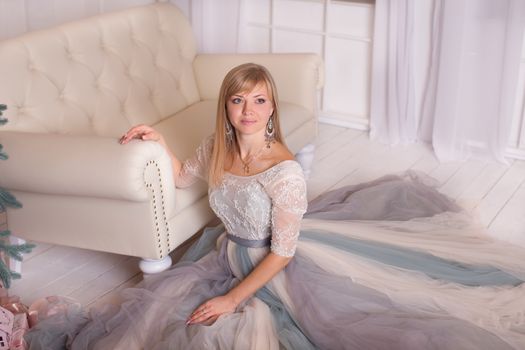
(500, 193)
(113, 296)
(466, 174)
(105, 283)
(509, 224)
(445, 171)
(47, 267)
(427, 163)
(80, 275)
(395, 160)
(480, 186)
(327, 133)
(335, 166)
(336, 143)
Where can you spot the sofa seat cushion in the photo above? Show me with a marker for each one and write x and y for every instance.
(185, 130)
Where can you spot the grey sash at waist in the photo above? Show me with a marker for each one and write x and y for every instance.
(250, 243)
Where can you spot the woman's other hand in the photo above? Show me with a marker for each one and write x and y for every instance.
(142, 132)
(210, 311)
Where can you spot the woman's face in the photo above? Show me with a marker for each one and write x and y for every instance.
(249, 112)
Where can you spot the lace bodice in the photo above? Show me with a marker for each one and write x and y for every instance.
(270, 203)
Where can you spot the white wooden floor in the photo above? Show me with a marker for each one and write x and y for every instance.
(494, 192)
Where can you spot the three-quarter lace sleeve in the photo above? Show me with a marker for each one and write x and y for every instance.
(288, 194)
(196, 167)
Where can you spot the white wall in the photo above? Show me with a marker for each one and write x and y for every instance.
(20, 16)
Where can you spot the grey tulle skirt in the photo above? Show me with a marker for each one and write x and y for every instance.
(390, 264)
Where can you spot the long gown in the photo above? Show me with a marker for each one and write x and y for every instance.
(389, 264)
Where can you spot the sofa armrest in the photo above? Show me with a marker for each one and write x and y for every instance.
(297, 76)
(89, 166)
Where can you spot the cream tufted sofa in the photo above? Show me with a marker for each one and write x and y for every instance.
(74, 89)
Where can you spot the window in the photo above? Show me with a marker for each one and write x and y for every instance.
(339, 31)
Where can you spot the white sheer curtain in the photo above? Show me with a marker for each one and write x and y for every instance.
(452, 83)
(215, 24)
(20, 16)
(393, 110)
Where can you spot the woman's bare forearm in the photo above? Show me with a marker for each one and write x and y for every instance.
(210, 310)
(270, 266)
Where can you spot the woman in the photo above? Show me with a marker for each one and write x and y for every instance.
(396, 278)
(251, 143)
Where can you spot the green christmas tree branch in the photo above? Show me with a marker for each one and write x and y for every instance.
(3, 155)
(15, 251)
(6, 275)
(2, 120)
(8, 200)
(7, 249)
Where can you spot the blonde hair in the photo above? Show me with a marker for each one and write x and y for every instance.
(240, 79)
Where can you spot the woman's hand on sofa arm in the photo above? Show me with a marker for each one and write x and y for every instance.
(147, 133)
(144, 133)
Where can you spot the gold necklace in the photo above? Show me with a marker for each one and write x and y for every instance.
(246, 163)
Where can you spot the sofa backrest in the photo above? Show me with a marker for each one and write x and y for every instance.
(100, 75)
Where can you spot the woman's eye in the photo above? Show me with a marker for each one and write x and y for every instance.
(260, 100)
(236, 100)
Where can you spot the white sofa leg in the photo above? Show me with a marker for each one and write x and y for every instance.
(150, 266)
(305, 157)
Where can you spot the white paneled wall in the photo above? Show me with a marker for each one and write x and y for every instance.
(20, 16)
(339, 31)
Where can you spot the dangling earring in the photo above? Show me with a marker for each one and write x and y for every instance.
(269, 134)
(229, 133)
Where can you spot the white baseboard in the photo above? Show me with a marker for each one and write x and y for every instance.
(515, 153)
